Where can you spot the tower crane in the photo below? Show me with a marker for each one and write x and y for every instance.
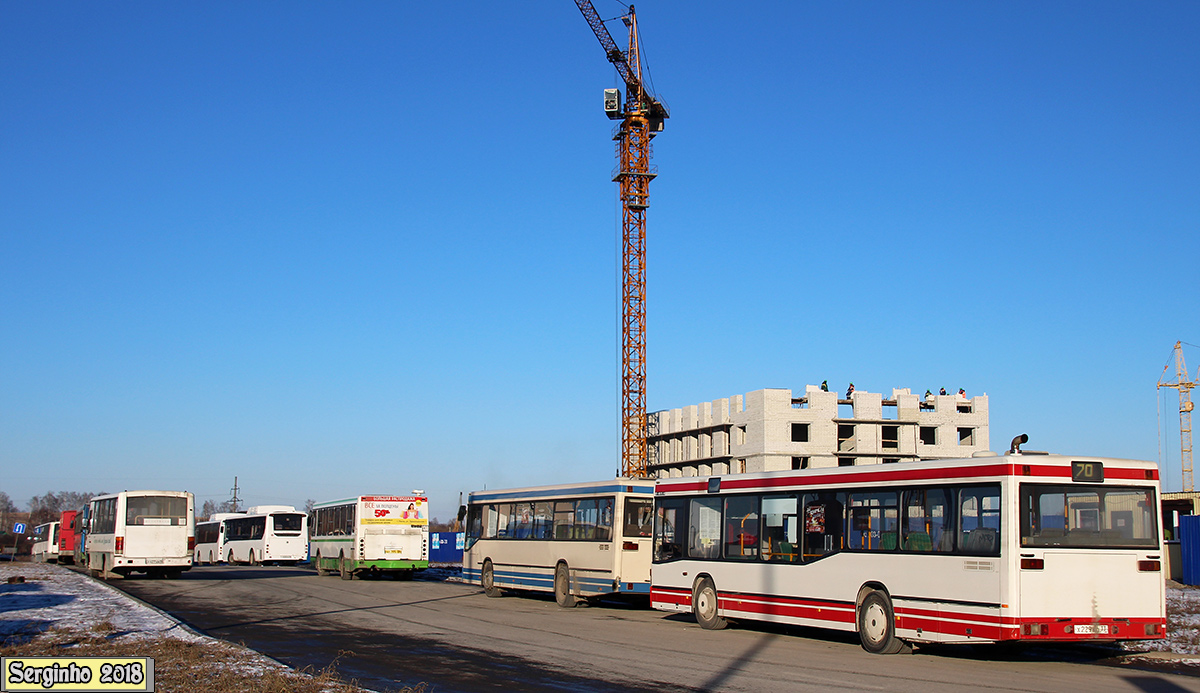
(1184, 385)
(641, 119)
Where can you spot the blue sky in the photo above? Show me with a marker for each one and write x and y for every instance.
(357, 248)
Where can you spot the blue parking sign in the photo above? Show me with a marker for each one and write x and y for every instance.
(19, 528)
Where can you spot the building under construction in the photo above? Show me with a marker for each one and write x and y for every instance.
(772, 429)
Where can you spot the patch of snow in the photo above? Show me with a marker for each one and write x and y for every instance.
(53, 597)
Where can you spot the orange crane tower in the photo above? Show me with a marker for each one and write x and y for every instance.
(641, 119)
(1185, 411)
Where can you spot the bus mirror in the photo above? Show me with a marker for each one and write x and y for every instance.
(462, 513)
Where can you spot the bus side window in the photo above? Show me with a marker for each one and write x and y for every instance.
(823, 523)
(979, 520)
(604, 525)
(564, 519)
(780, 539)
(873, 521)
(670, 517)
(924, 527)
(704, 528)
(543, 520)
(474, 525)
(522, 522)
(637, 517)
(741, 527)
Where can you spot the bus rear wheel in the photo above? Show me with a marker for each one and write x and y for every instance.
(562, 586)
(487, 579)
(344, 569)
(877, 625)
(252, 561)
(321, 572)
(705, 606)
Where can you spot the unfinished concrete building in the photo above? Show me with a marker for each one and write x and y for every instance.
(771, 429)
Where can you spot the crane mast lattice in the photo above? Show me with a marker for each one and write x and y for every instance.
(1184, 385)
(641, 119)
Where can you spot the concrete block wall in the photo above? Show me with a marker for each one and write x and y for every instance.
(755, 432)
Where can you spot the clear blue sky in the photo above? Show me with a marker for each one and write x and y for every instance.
(371, 247)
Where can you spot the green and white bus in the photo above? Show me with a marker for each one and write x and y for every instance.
(370, 536)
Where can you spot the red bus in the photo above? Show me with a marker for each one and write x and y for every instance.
(67, 537)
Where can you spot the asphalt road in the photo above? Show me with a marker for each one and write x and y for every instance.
(389, 634)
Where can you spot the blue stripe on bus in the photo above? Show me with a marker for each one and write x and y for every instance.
(564, 492)
(545, 581)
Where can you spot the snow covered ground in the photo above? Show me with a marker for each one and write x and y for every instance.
(53, 597)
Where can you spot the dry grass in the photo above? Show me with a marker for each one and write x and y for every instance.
(191, 666)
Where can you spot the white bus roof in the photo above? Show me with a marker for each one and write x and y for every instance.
(1043, 467)
(264, 509)
(620, 484)
(178, 494)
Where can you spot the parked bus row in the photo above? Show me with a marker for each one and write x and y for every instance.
(155, 532)
(1021, 547)
(1024, 547)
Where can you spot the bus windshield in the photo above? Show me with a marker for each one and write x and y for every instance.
(1099, 517)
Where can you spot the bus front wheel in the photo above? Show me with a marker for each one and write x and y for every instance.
(487, 580)
(705, 606)
(562, 586)
(877, 625)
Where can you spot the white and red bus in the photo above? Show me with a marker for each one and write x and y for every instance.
(1024, 547)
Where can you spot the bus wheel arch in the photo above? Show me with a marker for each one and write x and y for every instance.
(562, 585)
(706, 604)
(487, 579)
(875, 620)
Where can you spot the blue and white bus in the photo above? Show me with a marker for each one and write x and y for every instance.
(580, 541)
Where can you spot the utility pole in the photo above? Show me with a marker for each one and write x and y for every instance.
(235, 500)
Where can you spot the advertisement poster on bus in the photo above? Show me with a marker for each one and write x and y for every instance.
(394, 510)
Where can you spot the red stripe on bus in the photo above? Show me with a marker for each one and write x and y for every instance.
(938, 473)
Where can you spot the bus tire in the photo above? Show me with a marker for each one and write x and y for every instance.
(705, 606)
(877, 625)
(487, 579)
(562, 586)
(252, 561)
(321, 572)
(229, 558)
(344, 569)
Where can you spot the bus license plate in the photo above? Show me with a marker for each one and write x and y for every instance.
(153, 560)
(1091, 629)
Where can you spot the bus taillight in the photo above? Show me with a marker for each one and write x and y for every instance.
(1034, 629)
(119, 546)
(1032, 564)
(629, 546)
(1153, 629)
(191, 543)
(1149, 566)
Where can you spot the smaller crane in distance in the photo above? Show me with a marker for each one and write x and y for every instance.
(641, 119)
(1184, 385)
